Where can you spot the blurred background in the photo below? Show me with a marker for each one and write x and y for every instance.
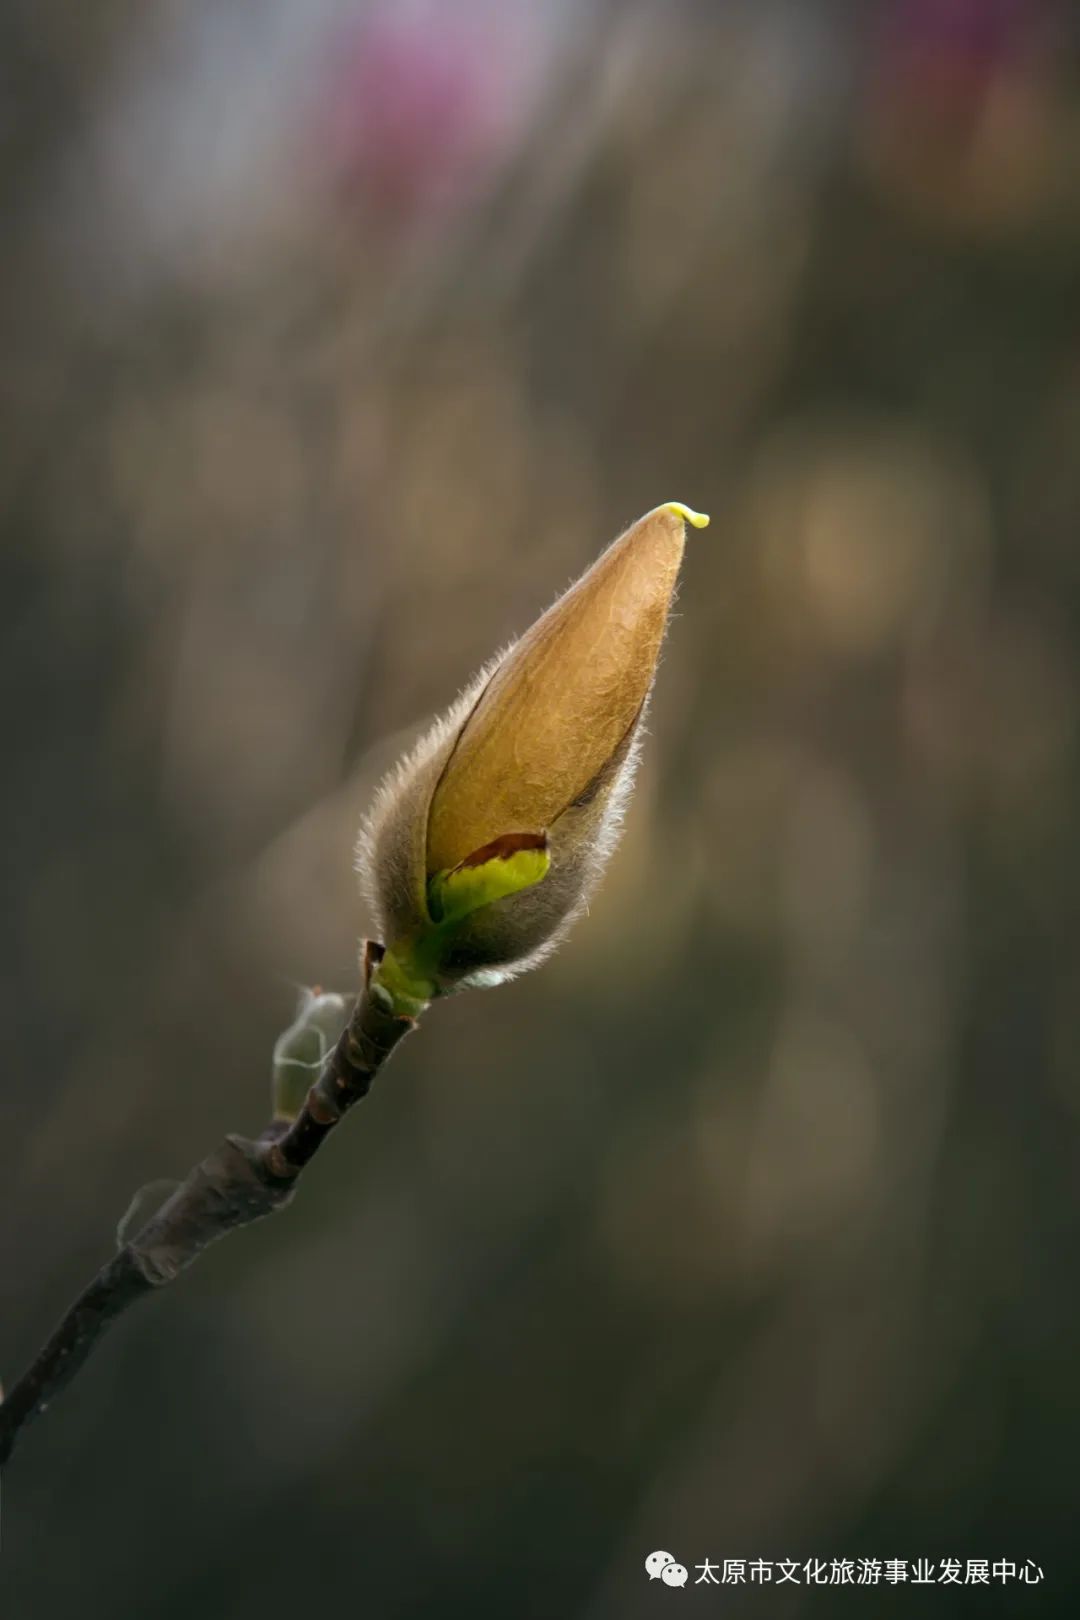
(337, 337)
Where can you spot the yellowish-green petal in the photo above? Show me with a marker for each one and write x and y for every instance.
(458, 893)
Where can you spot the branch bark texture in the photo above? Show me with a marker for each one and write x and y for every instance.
(239, 1182)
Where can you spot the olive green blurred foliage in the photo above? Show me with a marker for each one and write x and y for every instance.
(748, 1227)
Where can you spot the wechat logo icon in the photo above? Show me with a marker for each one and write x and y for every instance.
(660, 1566)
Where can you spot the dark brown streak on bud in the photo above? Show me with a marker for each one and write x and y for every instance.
(452, 755)
(589, 792)
(501, 848)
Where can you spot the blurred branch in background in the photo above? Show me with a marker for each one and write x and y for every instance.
(276, 420)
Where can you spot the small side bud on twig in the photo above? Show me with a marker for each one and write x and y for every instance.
(301, 1050)
(485, 843)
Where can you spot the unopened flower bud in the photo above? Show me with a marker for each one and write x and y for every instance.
(486, 841)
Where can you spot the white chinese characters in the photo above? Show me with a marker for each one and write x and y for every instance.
(846, 1571)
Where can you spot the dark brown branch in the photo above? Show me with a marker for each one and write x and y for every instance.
(239, 1182)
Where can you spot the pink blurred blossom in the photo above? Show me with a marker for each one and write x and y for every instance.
(419, 109)
(944, 57)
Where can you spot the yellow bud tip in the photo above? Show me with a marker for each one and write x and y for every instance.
(699, 520)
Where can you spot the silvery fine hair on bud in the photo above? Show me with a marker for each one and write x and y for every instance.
(521, 931)
(542, 747)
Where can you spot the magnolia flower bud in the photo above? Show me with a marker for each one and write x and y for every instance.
(486, 841)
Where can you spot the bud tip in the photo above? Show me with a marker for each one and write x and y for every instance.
(700, 520)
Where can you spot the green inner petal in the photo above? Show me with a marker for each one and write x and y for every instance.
(408, 973)
(456, 894)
